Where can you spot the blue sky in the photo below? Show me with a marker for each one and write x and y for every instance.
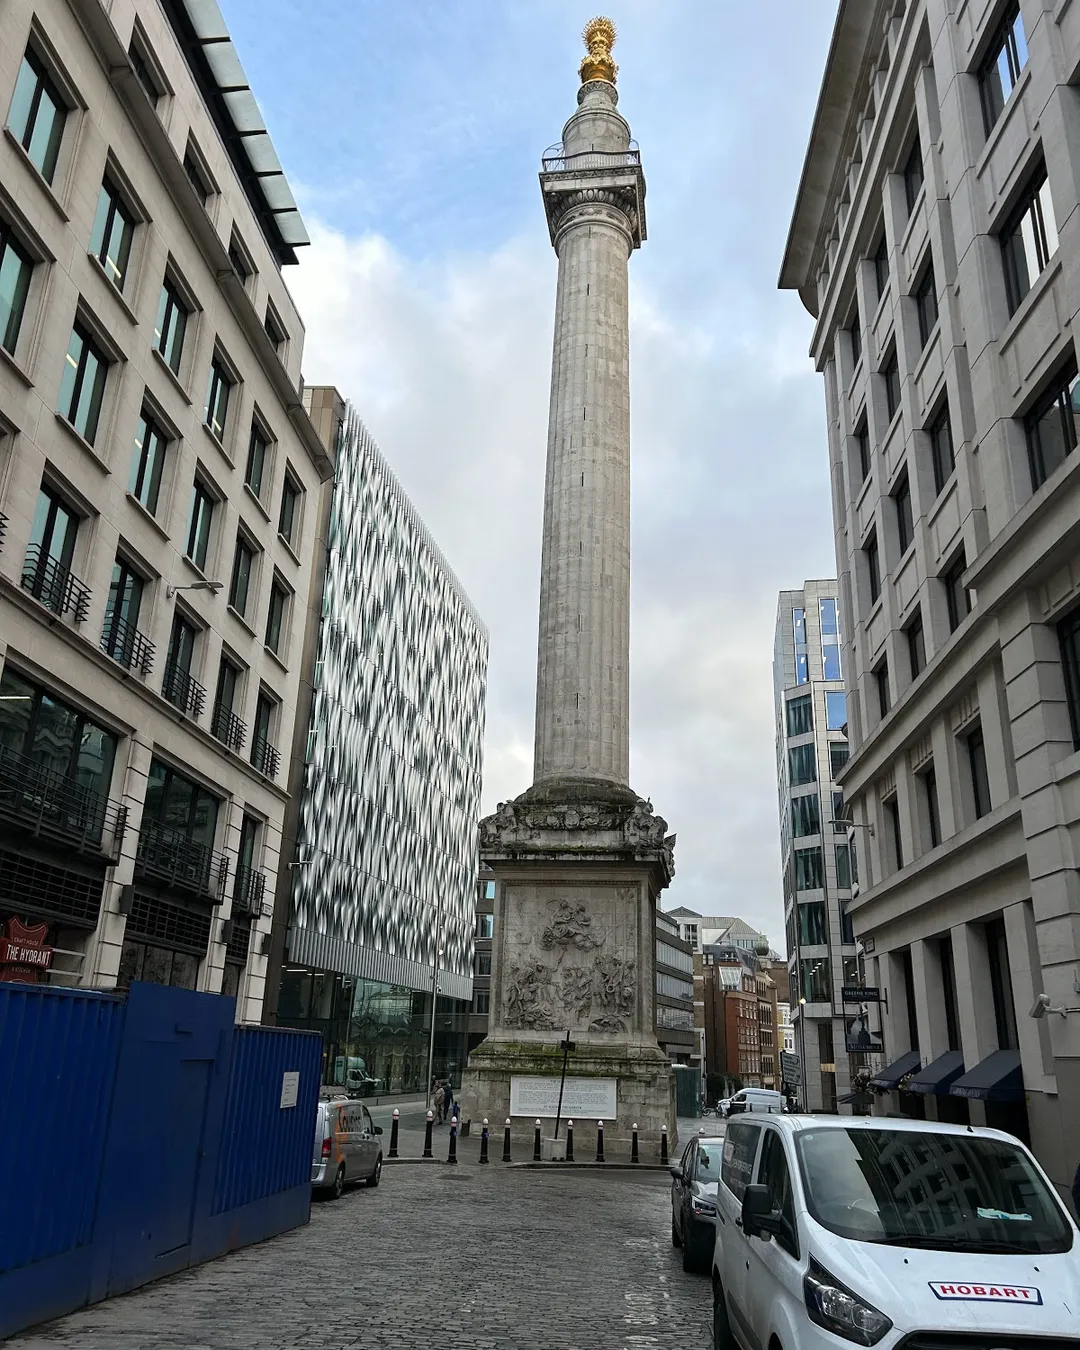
(412, 135)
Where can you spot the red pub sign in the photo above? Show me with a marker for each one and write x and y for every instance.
(24, 957)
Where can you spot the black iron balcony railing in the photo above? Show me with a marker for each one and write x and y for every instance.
(182, 691)
(53, 806)
(265, 758)
(3, 528)
(556, 160)
(171, 856)
(249, 888)
(227, 727)
(126, 644)
(52, 584)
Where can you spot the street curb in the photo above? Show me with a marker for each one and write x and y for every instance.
(541, 1166)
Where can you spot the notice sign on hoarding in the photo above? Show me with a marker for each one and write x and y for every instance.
(583, 1098)
(290, 1089)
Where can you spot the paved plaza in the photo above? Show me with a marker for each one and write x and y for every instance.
(466, 1258)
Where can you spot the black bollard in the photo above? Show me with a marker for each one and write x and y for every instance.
(663, 1145)
(451, 1157)
(599, 1141)
(506, 1141)
(633, 1144)
(427, 1135)
(569, 1141)
(536, 1143)
(484, 1143)
(393, 1136)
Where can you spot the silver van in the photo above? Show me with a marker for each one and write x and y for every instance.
(348, 1146)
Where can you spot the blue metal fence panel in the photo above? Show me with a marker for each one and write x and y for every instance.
(266, 1148)
(57, 1070)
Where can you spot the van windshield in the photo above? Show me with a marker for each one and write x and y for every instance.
(946, 1192)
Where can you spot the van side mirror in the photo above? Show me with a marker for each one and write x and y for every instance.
(759, 1219)
(676, 1171)
(378, 1129)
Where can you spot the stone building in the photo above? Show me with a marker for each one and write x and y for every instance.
(674, 974)
(935, 240)
(159, 480)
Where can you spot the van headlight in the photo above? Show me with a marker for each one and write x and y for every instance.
(833, 1306)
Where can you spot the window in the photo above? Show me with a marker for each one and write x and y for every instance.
(809, 869)
(197, 175)
(855, 334)
(948, 983)
(37, 115)
(815, 984)
(1051, 426)
(862, 443)
(913, 175)
(800, 715)
(774, 1176)
(145, 73)
(957, 600)
(202, 513)
(839, 751)
(57, 737)
(905, 529)
(942, 455)
(881, 264)
(839, 814)
(895, 838)
(275, 329)
(847, 927)
(737, 1168)
(890, 373)
(16, 267)
(926, 305)
(147, 462)
(805, 816)
(843, 867)
(180, 806)
(997, 951)
(482, 963)
(263, 756)
(980, 781)
(802, 765)
(1069, 637)
(171, 325)
(813, 930)
(835, 710)
(114, 229)
(873, 565)
(1029, 240)
(217, 398)
(47, 569)
(927, 783)
(289, 516)
(881, 679)
(178, 686)
(1005, 59)
(241, 262)
(482, 1001)
(256, 460)
(225, 725)
(120, 637)
(485, 925)
(827, 612)
(916, 644)
(240, 585)
(83, 383)
(275, 617)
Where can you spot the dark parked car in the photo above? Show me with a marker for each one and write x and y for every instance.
(693, 1201)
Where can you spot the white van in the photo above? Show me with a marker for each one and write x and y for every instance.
(885, 1233)
(754, 1099)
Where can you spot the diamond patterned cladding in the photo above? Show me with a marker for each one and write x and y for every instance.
(392, 785)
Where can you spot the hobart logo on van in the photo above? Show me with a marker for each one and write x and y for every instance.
(987, 1293)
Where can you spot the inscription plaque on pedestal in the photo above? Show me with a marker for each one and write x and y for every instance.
(583, 1098)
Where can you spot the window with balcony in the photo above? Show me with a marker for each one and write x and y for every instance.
(916, 645)
(16, 269)
(890, 374)
(178, 686)
(37, 114)
(1005, 59)
(177, 832)
(148, 462)
(121, 637)
(250, 884)
(926, 304)
(47, 571)
(218, 389)
(881, 263)
(957, 599)
(264, 756)
(905, 527)
(913, 175)
(243, 569)
(170, 326)
(224, 724)
(289, 516)
(1029, 240)
(800, 715)
(255, 471)
(802, 765)
(809, 869)
(276, 617)
(805, 816)
(873, 565)
(1050, 427)
(82, 384)
(942, 455)
(114, 229)
(199, 521)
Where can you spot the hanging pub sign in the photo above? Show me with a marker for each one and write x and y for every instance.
(857, 993)
(24, 955)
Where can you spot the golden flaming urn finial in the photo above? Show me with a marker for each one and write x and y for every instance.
(599, 36)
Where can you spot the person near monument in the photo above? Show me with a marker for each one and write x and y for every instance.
(438, 1101)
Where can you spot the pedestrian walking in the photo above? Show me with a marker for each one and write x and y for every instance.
(439, 1102)
(448, 1100)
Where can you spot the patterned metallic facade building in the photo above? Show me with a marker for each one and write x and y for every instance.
(386, 838)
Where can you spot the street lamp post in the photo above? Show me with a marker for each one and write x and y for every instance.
(434, 998)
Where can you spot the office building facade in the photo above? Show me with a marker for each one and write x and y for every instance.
(934, 241)
(811, 751)
(158, 478)
(376, 913)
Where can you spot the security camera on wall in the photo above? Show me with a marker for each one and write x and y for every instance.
(1040, 1007)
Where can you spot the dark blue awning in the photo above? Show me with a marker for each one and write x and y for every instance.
(939, 1075)
(997, 1078)
(889, 1077)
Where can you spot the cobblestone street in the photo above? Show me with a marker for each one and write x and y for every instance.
(465, 1258)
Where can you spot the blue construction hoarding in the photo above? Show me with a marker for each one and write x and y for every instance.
(144, 1134)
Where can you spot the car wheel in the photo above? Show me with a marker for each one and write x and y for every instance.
(676, 1240)
(722, 1338)
(376, 1176)
(339, 1183)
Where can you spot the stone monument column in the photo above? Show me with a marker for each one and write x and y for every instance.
(580, 858)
